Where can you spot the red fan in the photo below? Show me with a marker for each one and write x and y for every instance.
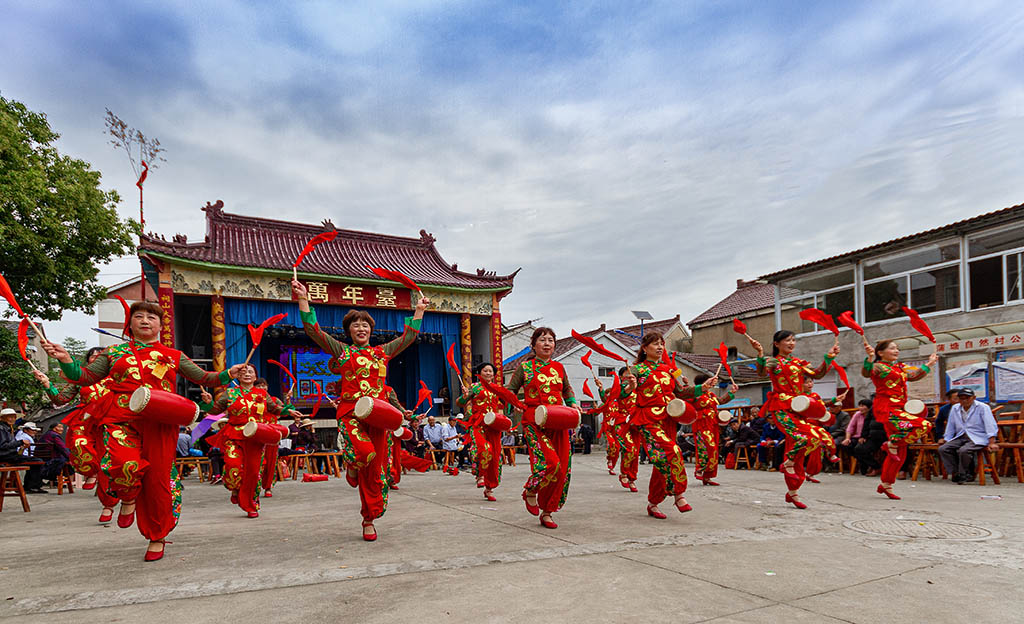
(8, 294)
(256, 333)
(739, 326)
(616, 387)
(313, 242)
(286, 371)
(450, 356)
(846, 320)
(126, 331)
(396, 276)
(424, 396)
(918, 323)
(593, 344)
(586, 389)
(23, 340)
(723, 356)
(319, 397)
(818, 317)
(586, 360)
(505, 394)
(842, 374)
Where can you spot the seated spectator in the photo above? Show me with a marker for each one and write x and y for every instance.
(59, 452)
(415, 445)
(739, 436)
(184, 442)
(867, 450)
(771, 448)
(214, 454)
(13, 451)
(306, 442)
(838, 428)
(27, 433)
(952, 398)
(432, 434)
(970, 428)
(855, 431)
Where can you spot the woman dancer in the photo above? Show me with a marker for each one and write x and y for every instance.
(84, 436)
(656, 383)
(139, 455)
(812, 465)
(243, 458)
(890, 377)
(787, 374)
(618, 411)
(544, 383)
(362, 369)
(706, 429)
(477, 401)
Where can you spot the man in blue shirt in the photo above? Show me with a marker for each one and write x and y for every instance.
(432, 433)
(970, 428)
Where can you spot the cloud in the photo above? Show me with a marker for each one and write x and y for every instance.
(625, 157)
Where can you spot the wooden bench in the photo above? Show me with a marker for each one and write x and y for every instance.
(196, 462)
(330, 460)
(10, 484)
(987, 465)
(64, 478)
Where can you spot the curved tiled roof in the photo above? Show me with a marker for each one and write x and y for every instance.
(245, 241)
(746, 299)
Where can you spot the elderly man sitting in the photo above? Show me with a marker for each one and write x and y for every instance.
(970, 428)
(14, 451)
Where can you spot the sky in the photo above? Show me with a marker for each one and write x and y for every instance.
(627, 156)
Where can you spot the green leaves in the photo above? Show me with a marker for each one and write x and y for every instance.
(56, 223)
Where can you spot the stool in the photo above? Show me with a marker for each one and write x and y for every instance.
(197, 463)
(65, 478)
(293, 464)
(927, 458)
(743, 455)
(1011, 455)
(10, 481)
(987, 464)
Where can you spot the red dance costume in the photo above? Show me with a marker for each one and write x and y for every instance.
(85, 437)
(706, 431)
(140, 453)
(622, 436)
(545, 383)
(243, 458)
(365, 449)
(787, 374)
(268, 476)
(656, 386)
(812, 463)
(890, 379)
(478, 401)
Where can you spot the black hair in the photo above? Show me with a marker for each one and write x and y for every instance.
(479, 367)
(701, 378)
(951, 392)
(780, 335)
(865, 402)
(882, 345)
(93, 351)
(622, 371)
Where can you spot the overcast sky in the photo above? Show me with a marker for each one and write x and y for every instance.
(625, 155)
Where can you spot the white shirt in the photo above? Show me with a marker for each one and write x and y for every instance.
(978, 423)
(24, 437)
(448, 431)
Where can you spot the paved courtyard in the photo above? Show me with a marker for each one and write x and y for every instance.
(447, 555)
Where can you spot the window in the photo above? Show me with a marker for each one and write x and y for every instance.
(925, 278)
(604, 371)
(831, 291)
(995, 267)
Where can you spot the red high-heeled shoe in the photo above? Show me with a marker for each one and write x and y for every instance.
(887, 491)
(547, 522)
(685, 507)
(395, 487)
(489, 495)
(655, 513)
(352, 477)
(709, 482)
(126, 520)
(106, 516)
(533, 509)
(268, 494)
(234, 497)
(89, 485)
(253, 514)
(632, 487)
(796, 503)
(156, 555)
(811, 479)
(624, 482)
(372, 536)
(479, 484)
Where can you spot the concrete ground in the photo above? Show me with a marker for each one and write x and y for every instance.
(447, 555)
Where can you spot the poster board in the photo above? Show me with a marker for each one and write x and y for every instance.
(969, 371)
(1008, 374)
(925, 389)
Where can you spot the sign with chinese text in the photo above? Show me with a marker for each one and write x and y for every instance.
(359, 295)
(985, 342)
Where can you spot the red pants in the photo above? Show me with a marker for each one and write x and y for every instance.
(813, 464)
(903, 429)
(668, 473)
(629, 441)
(488, 455)
(800, 440)
(614, 445)
(138, 461)
(269, 466)
(550, 465)
(396, 462)
(367, 450)
(86, 450)
(242, 467)
(706, 441)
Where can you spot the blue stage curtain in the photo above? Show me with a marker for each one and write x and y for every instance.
(430, 365)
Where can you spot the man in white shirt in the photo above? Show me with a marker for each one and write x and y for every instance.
(970, 428)
(27, 435)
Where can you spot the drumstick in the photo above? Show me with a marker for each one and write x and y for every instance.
(249, 357)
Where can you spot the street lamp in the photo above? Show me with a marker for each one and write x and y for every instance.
(642, 315)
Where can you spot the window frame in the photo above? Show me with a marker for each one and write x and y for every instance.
(1004, 254)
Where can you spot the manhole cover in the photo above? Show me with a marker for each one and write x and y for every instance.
(926, 529)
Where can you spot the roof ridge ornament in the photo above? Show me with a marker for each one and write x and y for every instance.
(427, 239)
(328, 225)
(215, 209)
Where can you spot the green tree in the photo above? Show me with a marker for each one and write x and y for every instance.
(17, 385)
(56, 223)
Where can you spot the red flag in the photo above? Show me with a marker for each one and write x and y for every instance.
(842, 374)
(126, 330)
(450, 356)
(395, 276)
(918, 323)
(586, 389)
(593, 344)
(256, 333)
(142, 178)
(319, 396)
(586, 360)
(846, 320)
(739, 326)
(504, 393)
(313, 242)
(723, 355)
(616, 386)
(424, 395)
(818, 317)
(23, 339)
(8, 294)
(285, 369)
